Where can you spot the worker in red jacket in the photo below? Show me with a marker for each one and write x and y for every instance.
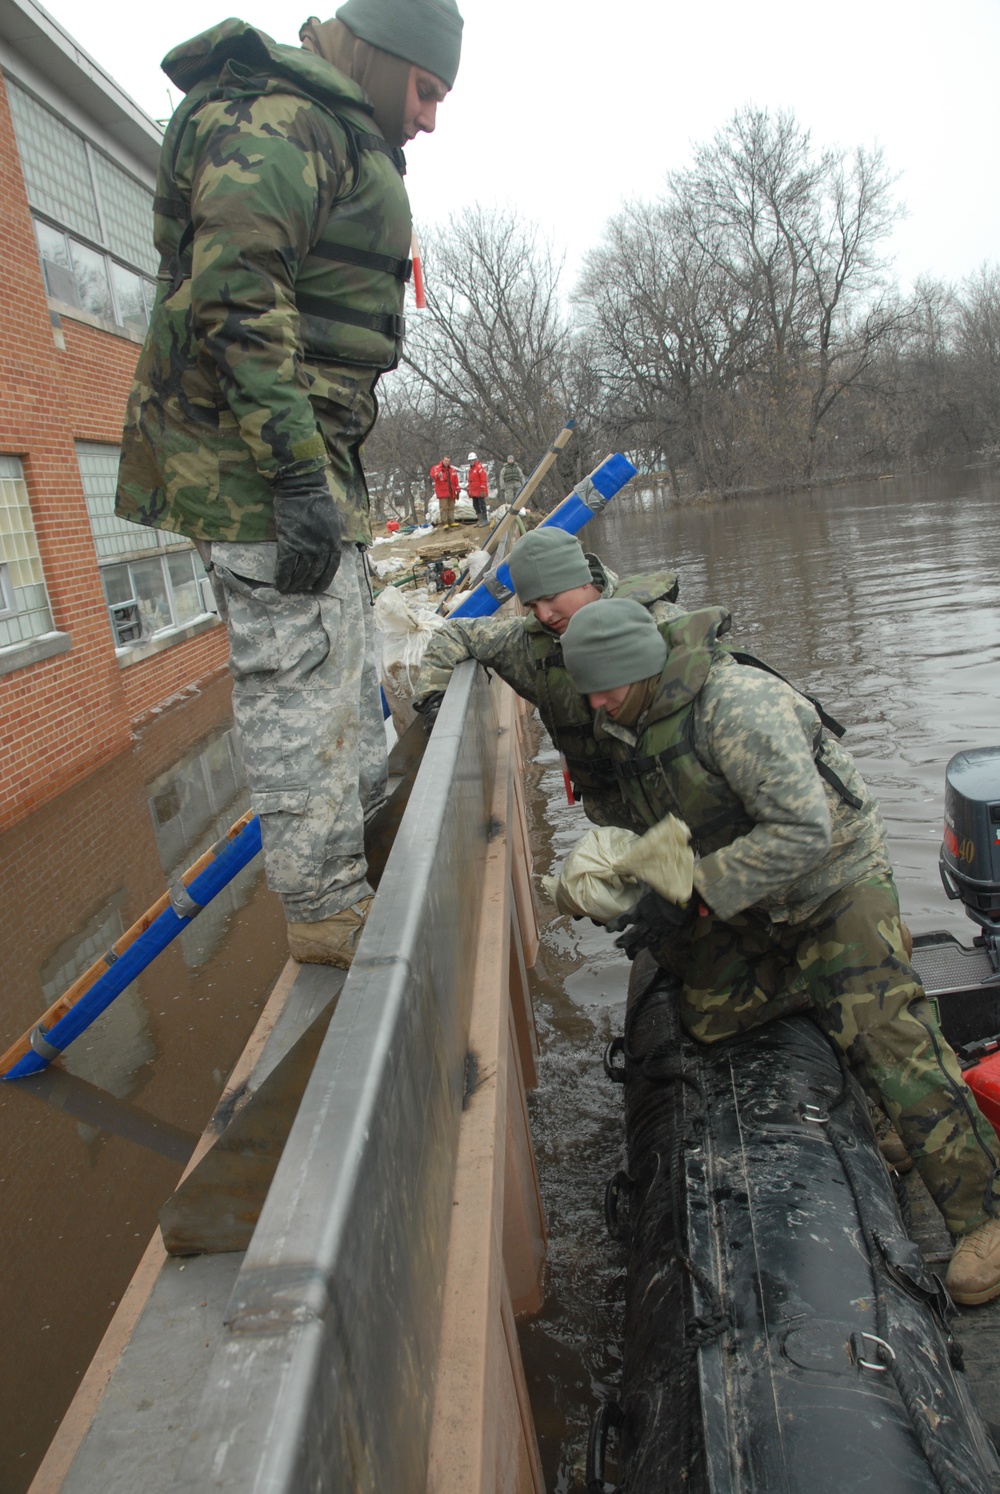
(446, 490)
(478, 486)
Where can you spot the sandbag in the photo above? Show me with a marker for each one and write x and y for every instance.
(404, 628)
(590, 883)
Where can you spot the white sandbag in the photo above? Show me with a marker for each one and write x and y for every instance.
(389, 567)
(663, 859)
(464, 510)
(475, 564)
(405, 627)
(590, 882)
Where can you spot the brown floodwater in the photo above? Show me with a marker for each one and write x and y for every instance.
(90, 1151)
(883, 599)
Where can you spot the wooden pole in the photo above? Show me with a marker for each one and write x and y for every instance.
(502, 529)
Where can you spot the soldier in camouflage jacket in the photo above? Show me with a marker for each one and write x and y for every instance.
(284, 228)
(794, 904)
(551, 576)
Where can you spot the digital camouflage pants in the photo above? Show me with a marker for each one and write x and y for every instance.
(847, 965)
(308, 713)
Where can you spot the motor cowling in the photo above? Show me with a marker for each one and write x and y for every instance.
(970, 850)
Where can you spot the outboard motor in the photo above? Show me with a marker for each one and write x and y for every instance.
(970, 851)
(963, 982)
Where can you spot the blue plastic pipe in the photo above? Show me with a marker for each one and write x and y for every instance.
(231, 859)
(587, 499)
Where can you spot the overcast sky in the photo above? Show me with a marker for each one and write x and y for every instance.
(566, 108)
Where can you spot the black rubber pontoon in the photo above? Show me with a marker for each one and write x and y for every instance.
(783, 1333)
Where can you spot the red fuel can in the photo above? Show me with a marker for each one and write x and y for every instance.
(984, 1081)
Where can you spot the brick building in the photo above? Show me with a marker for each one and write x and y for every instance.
(100, 621)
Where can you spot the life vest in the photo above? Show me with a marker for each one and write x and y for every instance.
(349, 287)
(662, 773)
(565, 713)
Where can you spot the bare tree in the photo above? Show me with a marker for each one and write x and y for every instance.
(978, 357)
(494, 344)
(743, 304)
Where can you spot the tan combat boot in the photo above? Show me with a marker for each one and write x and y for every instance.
(330, 941)
(974, 1273)
(894, 1153)
(890, 1143)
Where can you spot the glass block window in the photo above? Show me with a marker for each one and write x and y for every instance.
(55, 166)
(145, 596)
(127, 211)
(113, 536)
(70, 181)
(24, 603)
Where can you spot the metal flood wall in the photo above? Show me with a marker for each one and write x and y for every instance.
(325, 1378)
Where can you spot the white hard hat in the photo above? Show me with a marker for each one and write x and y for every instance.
(472, 456)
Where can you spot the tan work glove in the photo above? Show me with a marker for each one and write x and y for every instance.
(663, 859)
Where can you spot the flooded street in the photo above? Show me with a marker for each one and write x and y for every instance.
(883, 599)
(90, 1150)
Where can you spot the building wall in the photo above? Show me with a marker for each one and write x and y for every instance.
(64, 715)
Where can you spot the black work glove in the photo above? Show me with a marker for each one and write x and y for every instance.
(653, 921)
(308, 529)
(428, 708)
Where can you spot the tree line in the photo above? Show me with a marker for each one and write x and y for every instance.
(739, 331)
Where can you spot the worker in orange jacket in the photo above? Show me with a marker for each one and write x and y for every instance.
(446, 490)
(478, 486)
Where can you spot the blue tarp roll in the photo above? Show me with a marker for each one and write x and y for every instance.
(571, 515)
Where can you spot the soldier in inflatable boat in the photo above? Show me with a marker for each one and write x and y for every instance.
(794, 905)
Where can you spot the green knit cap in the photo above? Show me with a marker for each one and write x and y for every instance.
(425, 32)
(547, 561)
(611, 644)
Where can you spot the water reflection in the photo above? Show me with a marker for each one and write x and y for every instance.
(883, 599)
(87, 1157)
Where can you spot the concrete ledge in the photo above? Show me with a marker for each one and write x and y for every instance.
(135, 653)
(23, 655)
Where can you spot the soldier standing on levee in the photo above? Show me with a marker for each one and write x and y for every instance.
(284, 232)
(511, 481)
(794, 905)
(553, 578)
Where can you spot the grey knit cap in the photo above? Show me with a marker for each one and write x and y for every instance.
(425, 32)
(546, 562)
(613, 643)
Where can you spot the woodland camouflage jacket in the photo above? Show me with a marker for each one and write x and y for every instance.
(529, 658)
(733, 751)
(283, 228)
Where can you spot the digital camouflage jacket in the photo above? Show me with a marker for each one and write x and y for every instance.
(283, 228)
(529, 658)
(742, 758)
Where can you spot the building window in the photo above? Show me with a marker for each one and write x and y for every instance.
(146, 597)
(114, 537)
(24, 603)
(93, 222)
(79, 276)
(164, 585)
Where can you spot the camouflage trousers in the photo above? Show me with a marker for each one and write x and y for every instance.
(309, 719)
(846, 964)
